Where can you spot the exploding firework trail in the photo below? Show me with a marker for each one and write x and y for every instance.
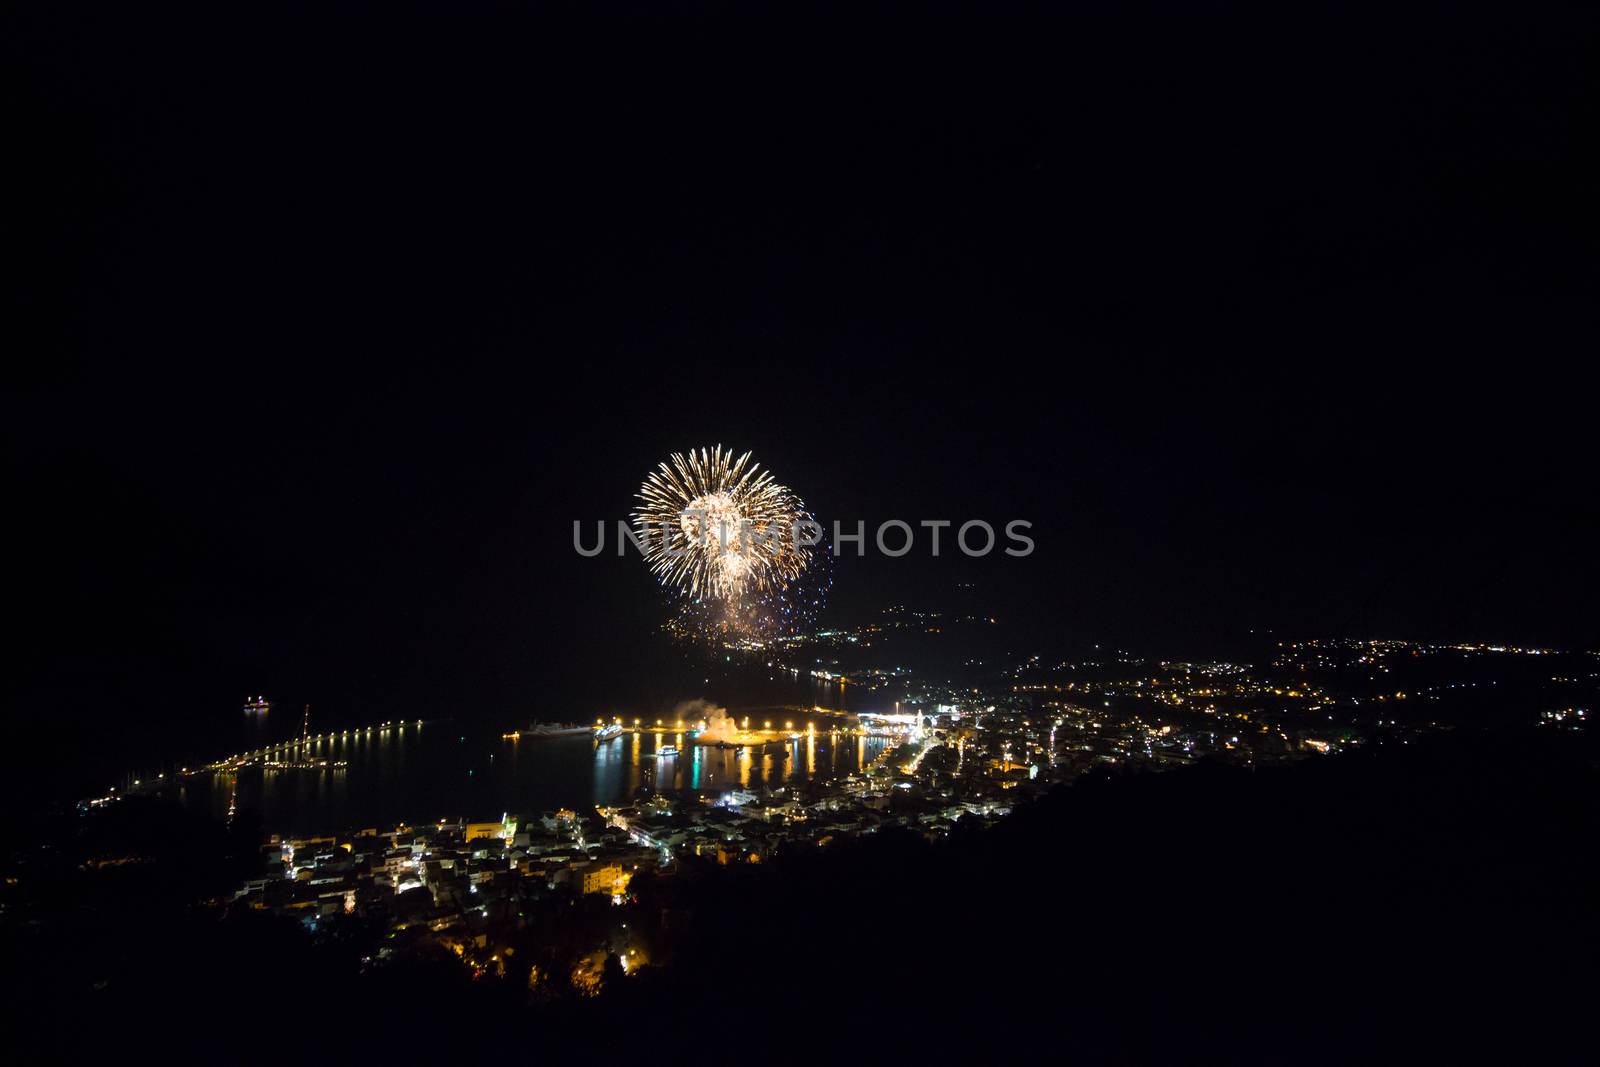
(716, 526)
(724, 535)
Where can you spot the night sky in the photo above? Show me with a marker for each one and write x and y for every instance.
(326, 325)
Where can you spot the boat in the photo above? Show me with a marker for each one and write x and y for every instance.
(259, 706)
(606, 733)
(552, 729)
(666, 750)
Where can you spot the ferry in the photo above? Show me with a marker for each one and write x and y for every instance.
(606, 733)
(259, 706)
(666, 750)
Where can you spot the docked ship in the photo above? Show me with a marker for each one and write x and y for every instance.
(607, 732)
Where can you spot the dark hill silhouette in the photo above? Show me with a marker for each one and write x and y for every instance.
(1403, 901)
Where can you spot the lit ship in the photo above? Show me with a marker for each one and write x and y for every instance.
(259, 706)
(666, 750)
(606, 733)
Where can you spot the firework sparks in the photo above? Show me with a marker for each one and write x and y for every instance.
(719, 527)
(729, 540)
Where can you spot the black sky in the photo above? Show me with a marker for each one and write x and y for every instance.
(326, 324)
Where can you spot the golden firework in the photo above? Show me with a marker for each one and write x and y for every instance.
(718, 527)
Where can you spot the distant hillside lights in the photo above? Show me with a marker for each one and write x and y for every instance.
(893, 537)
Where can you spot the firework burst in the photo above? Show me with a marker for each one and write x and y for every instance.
(727, 539)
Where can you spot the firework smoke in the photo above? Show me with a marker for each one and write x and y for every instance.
(719, 724)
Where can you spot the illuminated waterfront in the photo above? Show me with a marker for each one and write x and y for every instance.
(445, 769)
